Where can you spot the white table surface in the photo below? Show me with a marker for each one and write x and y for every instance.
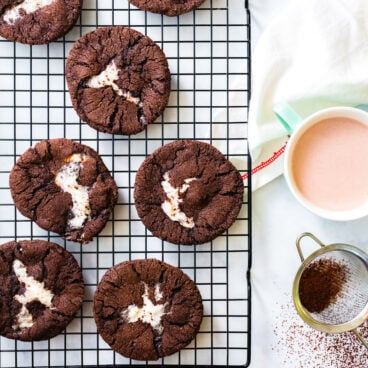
(277, 221)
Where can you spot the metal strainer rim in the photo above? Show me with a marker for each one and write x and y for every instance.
(305, 315)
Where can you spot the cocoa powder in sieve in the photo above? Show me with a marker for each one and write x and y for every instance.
(320, 284)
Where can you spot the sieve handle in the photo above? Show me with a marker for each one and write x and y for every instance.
(298, 246)
(360, 337)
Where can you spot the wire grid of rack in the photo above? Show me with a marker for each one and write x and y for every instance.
(208, 54)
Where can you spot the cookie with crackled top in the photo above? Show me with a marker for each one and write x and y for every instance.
(37, 21)
(64, 187)
(41, 289)
(187, 192)
(167, 7)
(118, 79)
(146, 309)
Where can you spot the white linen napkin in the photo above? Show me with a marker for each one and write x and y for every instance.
(313, 55)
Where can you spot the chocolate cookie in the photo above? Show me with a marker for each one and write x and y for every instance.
(64, 187)
(118, 79)
(167, 7)
(187, 192)
(41, 289)
(37, 21)
(146, 309)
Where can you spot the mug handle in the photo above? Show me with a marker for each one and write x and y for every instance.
(287, 116)
(363, 107)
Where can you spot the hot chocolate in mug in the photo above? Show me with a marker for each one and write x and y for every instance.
(326, 160)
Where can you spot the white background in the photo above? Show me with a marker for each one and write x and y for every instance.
(277, 221)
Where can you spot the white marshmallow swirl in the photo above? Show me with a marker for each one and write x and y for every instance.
(107, 78)
(18, 11)
(171, 206)
(66, 179)
(34, 291)
(149, 312)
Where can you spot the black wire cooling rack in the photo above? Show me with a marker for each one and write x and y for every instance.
(209, 58)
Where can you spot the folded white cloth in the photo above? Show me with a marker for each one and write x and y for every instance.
(313, 55)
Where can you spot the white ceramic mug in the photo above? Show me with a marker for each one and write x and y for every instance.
(328, 138)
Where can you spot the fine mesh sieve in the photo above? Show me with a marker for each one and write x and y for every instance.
(349, 308)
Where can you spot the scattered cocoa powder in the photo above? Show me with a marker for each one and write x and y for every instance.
(321, 283)
(299, 346)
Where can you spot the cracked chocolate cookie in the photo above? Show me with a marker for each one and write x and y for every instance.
(64, 187)
(37, 21)
(41, 289)
(167, 7)
(118, 79)
(187, 192)
(146, 309)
